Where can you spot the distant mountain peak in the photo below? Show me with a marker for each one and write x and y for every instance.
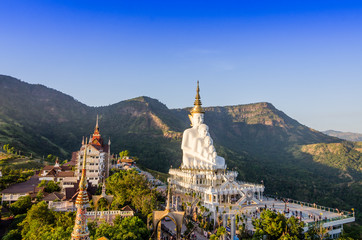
(355, 137)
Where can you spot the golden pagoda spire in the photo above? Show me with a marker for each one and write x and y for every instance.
(80, 230)
(83, 180)
(96, 129)
(197, 104)
(97, 122)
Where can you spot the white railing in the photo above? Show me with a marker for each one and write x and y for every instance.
(112, 212)
(61, 206)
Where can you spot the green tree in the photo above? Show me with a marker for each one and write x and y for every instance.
(221, 231)
(124, 153)
(51, 158)
(39, 196)
(50, 186)
(275, 225)
(129, 187)
(14, 234)
(43, 223)
(21, 206)
(213, 237)
(130, 228)
(36, 222)
(316, 232)
(8, 149)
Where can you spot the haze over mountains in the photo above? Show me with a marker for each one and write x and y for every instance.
(260, 141)
(355, 137)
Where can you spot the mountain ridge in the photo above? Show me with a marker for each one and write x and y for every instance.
(349, 136)
(262, 142)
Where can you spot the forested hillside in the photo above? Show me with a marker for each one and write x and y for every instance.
(260, 141)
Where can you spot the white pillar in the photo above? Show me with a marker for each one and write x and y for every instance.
(232, 227)
(224, 223)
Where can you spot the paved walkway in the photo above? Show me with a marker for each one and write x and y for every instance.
(306, 214)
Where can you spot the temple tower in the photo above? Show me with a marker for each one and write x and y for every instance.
(98, 157)
(80, 230)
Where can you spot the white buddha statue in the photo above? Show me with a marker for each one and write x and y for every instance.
(197, 145)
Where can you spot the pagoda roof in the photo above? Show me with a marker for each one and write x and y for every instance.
(127, 209)
(65, 174)
(48, 167)
(54, 196)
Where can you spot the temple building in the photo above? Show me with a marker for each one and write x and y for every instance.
(98, 158)
(204, 173)
(203, 177)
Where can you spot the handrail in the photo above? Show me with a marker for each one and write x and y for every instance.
(344, 215)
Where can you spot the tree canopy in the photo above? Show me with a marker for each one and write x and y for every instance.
(22, 205)
(50, 186)
(130, 228)
(129, 187)
(124, 153)
(277, 226)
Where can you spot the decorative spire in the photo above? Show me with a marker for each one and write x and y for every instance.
(83, 180)
(197, 104)
(96, 138)
(96, 129)
(80, 230)
(83, 141)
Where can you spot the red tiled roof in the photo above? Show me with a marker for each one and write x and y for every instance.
(66, 168)
(51, 173)
(127, 160)
(127, 209)
(54, 196)
(65, 174)
(48, 167)
(71, 193)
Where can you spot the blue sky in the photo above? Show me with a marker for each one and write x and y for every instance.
(305, 57)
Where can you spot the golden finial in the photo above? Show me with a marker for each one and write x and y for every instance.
(97, 122)
(197, 104)
(96, 128)
(83, 180)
